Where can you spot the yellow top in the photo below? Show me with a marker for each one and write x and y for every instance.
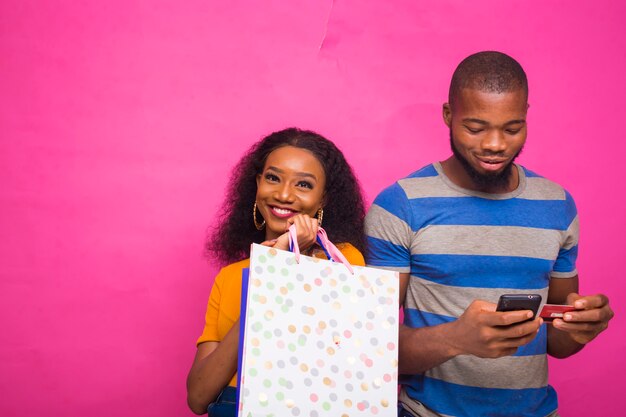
(225, 299)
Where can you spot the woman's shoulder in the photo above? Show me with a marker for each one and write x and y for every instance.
(233, 269)
(352, 254)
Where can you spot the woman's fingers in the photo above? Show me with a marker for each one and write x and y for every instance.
(306, 229)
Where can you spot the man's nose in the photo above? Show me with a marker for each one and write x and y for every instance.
(494, 142)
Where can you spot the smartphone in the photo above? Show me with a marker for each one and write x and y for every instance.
(514, 302)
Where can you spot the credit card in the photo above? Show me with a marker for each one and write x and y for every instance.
(550, 312)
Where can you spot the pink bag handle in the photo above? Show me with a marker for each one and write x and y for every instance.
(322, 238)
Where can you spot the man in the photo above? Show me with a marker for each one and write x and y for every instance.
(466, 230)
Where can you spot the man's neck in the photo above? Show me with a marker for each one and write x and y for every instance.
(456, 172)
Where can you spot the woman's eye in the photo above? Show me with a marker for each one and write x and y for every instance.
(305, 184)
(271, 177)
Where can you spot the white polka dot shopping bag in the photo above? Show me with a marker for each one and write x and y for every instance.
(318, 337)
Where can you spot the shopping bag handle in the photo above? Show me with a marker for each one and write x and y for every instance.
(329, 248)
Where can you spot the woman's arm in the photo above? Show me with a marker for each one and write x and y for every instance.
(213, 368)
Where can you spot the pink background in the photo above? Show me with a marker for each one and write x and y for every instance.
(120, 122)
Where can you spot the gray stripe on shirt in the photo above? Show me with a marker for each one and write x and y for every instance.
(508, 372)
(384, 225)
(542, 189)
(451, 301)
(426, 187)
(487, 240)
(569, 237)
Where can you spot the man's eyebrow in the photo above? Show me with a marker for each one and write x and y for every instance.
(483, 122)
(479, 121)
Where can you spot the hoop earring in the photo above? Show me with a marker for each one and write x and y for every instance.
(259, 226)
(320, 215)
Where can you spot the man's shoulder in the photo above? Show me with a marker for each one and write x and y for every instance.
(424, 172)
(427, 171)
(539, 187)
(402, 187)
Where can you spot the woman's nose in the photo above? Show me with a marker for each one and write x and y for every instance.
(284, 193)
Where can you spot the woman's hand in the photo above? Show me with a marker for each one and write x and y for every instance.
(306, 232)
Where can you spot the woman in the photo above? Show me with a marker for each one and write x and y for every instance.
(290, 177)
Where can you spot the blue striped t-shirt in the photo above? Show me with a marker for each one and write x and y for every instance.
(460, 245)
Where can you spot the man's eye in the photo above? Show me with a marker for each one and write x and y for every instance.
(473, 130)
(305, 184)
(512, 131)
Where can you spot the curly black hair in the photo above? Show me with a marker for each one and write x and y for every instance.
(344, 209)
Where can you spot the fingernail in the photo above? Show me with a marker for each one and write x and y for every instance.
(579, 304)
(567, 317)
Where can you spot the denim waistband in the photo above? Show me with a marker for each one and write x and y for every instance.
(228, 395)
(225, 405)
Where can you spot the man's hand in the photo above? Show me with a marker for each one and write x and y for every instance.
(591, 318)
(480, 331)
(484, 332)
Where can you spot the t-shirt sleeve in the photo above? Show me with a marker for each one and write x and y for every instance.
(210, 333)
(388, 230)
(352, 254)
(565, 264)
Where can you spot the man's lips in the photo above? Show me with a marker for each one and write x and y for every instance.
(492, 164)
(282, 213)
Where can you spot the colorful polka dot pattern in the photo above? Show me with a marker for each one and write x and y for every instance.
(318, 340)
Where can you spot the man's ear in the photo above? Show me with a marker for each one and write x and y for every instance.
(447, 114)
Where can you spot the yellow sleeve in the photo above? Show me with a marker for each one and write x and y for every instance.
(352, 254)
(210, 332)
(224, 303)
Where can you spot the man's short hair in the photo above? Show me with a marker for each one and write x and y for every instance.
(488, 71)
